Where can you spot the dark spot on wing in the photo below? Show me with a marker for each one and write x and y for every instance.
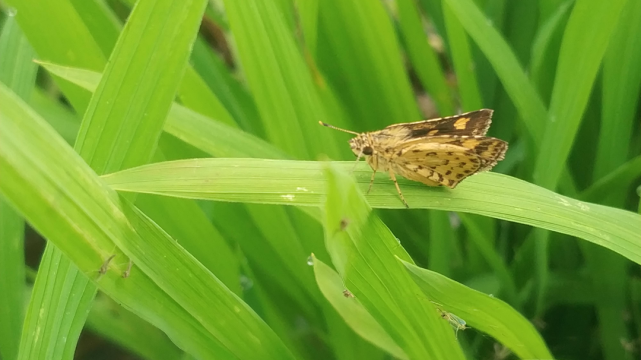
(419, 132)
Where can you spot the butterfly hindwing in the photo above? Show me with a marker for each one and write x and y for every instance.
(490, 150)
(437, 163)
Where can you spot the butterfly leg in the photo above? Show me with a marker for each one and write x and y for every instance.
(393, 177)
(371, 182)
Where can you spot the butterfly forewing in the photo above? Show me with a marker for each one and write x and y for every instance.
(473, 123)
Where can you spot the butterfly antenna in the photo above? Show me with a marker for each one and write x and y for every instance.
(337, 128)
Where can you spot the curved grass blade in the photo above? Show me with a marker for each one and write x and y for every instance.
(363, 251)
(482, 312)
(352, 311)
(65, 201)
(301, 183)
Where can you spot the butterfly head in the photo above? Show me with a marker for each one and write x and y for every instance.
(361, 145)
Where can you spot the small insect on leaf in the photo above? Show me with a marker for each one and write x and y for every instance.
(435, 152)
(127, 272)
(347, 294)
(456, 322)
(105, 266)
(344, 223)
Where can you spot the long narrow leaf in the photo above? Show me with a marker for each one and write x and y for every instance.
(89, 222)
(301, 183)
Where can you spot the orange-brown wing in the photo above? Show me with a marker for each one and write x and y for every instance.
(473, 123)
(490, 150)
(435, 163)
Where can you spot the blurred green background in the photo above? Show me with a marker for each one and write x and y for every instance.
(244, 79)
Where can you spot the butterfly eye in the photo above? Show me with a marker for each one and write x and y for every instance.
(367, 150)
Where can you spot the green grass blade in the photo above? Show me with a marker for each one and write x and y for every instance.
(530, 107)
(36, 18)
(65, 201)
(485, 313)
(12, 275)
(115, 114)
(61, 118)
(100, 22)
(540, 68)
(359, 54)
(352, 311)
(136, 91)
(363, 251)
(198, 130)
(442, 240)
(279, 80)
(187, 125)
(228, 89)
(199, 239)
(424, 59)
(195, 94)
(307, 11)
(59, 290)
(485, 247)
(459, 49)
(192, 126)
(124, 328)
(622, 177)
(586, 37)
(219, 139)
(18, 72)
(301, 183)
(621, 85)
